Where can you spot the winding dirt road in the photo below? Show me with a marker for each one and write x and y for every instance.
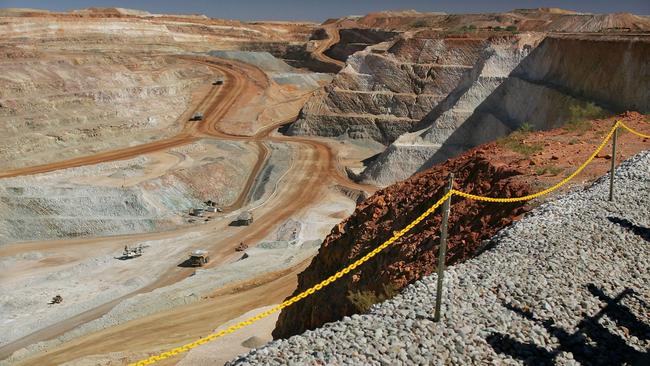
(333, 37)
(314, 169)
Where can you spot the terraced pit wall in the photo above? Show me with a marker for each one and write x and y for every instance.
(566, 79)
(385, 90)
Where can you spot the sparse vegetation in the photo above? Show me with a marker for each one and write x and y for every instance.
(511, 28)
(420, 23)
(521, 147)
(364, 300)
(548, 169)
(516, 142)
(580, 115)
(525, 128)
(468, 28)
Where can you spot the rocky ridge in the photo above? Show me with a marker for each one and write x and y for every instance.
(374, 221)
(538, 296)
(525, 20)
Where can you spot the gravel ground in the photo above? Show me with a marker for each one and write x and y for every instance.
(567, 285)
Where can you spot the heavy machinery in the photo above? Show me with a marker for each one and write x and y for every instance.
(198, 258)
(244, 219)
(198, 116)
(218, 81)
(130, 253)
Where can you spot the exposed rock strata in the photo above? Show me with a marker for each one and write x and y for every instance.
(560, 81)
(411, 150)
(381, 95)
(546, 87)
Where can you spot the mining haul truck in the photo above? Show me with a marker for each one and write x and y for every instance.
(198, 116)
(198, 258)
(244, 219)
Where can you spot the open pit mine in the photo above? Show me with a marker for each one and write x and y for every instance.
(166, 178)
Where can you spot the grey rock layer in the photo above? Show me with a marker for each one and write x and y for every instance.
(410, 151)
(560, 80)
(568, 284)
(386, 89)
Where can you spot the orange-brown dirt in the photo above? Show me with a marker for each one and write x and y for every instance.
(491, 170)
(302, 189)
(542, 19)
(503, 172)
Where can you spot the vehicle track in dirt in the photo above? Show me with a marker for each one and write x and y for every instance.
(314, 169)
(334, 37)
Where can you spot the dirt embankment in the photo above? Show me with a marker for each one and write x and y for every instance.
(512, 167)
(541, 20)
(356, 39)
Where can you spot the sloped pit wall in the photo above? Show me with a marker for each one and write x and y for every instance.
(410, 151)
(381, 96)
(561, 80)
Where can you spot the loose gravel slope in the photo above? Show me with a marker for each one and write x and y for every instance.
(568, 284)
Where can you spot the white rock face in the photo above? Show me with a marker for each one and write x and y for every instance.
(516, 83)
(131, 196)
(386, 89)
(411, 150)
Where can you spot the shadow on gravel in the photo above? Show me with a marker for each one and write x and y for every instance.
(591, 343)
(641, 231)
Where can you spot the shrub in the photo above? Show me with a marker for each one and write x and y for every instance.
(364, 300)
(511, 28)
(550, 169)
(579, 116)
(525, 128)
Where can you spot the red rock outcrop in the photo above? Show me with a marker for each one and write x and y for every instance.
(414, 255)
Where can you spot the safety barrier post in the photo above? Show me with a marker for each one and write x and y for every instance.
(611, 171)
(442, 252)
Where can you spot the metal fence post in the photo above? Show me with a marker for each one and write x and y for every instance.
(442, 252)
(611, 171)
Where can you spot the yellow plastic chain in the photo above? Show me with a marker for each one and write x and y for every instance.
(548, 190)
(374, 252)
(634, 132)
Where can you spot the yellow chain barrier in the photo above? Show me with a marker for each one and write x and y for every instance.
(374, 252)
(634, 132)
(548, 190)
